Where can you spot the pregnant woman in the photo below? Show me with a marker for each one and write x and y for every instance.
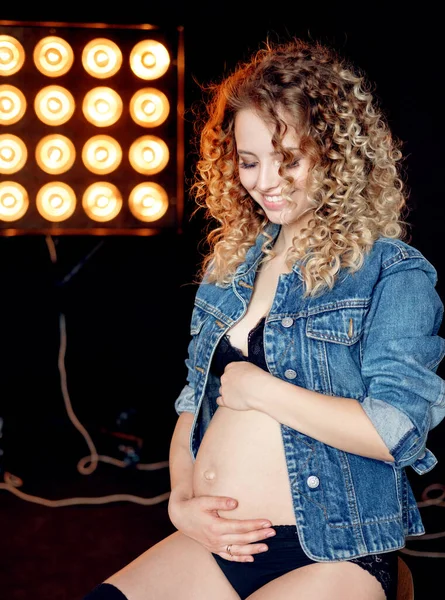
(312, 365)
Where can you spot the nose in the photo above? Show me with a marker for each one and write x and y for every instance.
(268, 177)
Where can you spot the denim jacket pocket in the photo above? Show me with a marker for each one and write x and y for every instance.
(334, 335)
(342, 323)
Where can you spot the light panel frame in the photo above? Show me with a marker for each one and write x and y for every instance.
(29, 80)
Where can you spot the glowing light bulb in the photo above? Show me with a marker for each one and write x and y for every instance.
(55, 154)
(148, 202)
(53, 56)
(101, 58)
(102, 201)
(149, 107)
(56, 201)
(102, 106)
(148, 155)
(149, 59)
(12, 55)
(14, 201)
(101, 154)
(12, 104)
(54, 105)
(13, 153)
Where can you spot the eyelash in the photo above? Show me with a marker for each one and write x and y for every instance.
(244, 165)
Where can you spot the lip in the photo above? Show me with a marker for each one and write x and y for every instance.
(275, 205)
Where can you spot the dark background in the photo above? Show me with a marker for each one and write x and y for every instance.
(127, 303)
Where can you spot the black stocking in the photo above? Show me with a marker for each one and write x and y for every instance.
(105, 591)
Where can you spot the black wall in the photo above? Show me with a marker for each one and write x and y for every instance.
(127, 300)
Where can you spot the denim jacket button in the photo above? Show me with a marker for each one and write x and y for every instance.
(287, 322)
(313, 481)
(290, 374)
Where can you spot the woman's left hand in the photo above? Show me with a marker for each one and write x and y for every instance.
(243, 385)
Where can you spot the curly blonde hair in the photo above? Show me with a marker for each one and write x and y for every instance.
(355, 183)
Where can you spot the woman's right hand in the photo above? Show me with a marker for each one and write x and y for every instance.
(198, 518)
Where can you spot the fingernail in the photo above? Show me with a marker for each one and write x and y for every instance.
(266, 524)
(270, 533)
(250, 559)
(232, 503)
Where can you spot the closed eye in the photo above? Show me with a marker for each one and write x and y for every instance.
(246, 165)
(250, 165)
(295, 163)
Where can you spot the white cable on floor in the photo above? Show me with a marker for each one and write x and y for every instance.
(12, 483)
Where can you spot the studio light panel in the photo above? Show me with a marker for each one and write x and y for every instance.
(91, 137)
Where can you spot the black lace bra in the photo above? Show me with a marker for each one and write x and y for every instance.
(225, 353)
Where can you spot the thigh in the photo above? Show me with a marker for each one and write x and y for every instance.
(322, 581)
(176, 567)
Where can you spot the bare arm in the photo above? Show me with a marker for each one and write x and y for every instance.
(338, 422)
(180, 460)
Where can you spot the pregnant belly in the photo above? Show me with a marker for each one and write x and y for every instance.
(242, 456)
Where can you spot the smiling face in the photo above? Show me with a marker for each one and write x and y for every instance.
(259, 171)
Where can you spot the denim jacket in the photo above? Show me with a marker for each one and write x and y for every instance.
(373, 337)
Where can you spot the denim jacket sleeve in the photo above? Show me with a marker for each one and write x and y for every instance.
(401, 351)
(185, 402)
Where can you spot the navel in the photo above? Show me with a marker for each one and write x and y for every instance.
(209, 475)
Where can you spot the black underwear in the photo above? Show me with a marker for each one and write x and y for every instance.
(286, 554)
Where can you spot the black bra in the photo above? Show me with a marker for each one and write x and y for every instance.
(225, 353)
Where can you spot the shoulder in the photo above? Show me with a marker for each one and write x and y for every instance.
(394, 250)
(389, 255)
